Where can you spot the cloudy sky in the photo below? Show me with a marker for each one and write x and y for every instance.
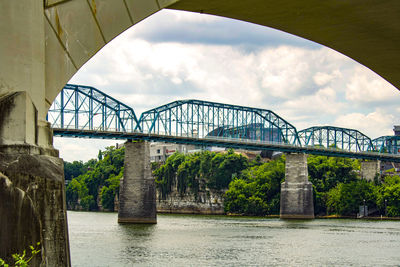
(179, 55)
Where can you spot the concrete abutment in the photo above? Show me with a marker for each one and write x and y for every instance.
(296, 191)
(137, 190)
(32, 188)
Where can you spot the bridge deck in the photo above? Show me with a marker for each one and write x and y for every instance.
(227, 142)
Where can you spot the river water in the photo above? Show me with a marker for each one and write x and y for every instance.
(96, 239)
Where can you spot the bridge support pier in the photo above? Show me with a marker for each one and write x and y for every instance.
(32, 189)
(137, 192)
(369, 169)
(296, 191)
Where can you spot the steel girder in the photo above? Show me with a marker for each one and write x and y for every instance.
(84, 111)
(86, 108)
(387, 144)
(336, 137)
(196, 118)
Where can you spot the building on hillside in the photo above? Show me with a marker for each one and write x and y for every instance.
(159, 152)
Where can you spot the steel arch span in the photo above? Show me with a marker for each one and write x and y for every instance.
(336, 137)
(387, 144)
(84, 111)
(196, 118)
(86, 108)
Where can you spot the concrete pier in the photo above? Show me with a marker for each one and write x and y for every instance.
(369, 169)
(32, 189)
(32, 207)
(137, 190)
(296, 191)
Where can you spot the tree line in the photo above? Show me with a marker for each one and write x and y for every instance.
(95, 182)
(249, 187)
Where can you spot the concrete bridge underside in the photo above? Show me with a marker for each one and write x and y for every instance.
(44, 43)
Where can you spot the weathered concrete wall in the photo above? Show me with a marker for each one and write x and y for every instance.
(137, 190)
(32, 207)
(32, 202)
(296, 191)
(32, 191)
(205, 203)
(369, 169)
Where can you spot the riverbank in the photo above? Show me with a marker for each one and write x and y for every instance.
(220, 213)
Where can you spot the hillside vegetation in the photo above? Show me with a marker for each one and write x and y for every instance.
(249, 187)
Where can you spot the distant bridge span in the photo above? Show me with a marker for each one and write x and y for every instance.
(84, 111)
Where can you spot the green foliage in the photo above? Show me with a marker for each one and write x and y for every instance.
(73, 169)
(224, 168)
(257, 190)
(389, 196)
(100, 176)
(22, 260)
(346, 198)
(75, 190)
(326, 172)
(110, 189)
(165, 174)
(196, 171)
(253, 187)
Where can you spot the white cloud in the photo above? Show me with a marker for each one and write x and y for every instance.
(322, 78)
(81, 149)
(322, 102)
(365, 86)
(305, 86)
(283, 70)
(374, 124)
(185, 17)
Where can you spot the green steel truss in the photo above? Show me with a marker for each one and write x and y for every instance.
(336, 137)
(84, 111)
(87, 108)
(198, 119)
(387, 144)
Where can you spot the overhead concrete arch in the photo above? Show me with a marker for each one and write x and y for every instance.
(54, 38)
(366, 31)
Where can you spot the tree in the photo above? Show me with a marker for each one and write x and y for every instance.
(165, 175)
(73, 170)
(346, 198)
(98, 176)
(257, 190)
(325, 173)
(224, 167)
(389, 195)
(110, 190)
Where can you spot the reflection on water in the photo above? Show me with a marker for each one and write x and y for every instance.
(96, 239)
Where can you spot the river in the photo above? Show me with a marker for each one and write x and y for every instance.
(96, 239)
